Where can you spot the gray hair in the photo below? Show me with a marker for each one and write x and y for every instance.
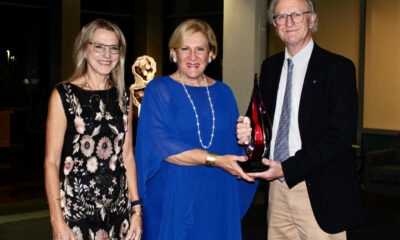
(311, 8)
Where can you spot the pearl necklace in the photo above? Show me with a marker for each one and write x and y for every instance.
(197, 116)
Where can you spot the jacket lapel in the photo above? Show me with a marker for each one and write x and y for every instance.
(311, 81)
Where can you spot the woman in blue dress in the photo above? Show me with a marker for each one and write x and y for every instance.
(187, 153)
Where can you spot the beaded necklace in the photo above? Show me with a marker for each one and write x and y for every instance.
(197, 116)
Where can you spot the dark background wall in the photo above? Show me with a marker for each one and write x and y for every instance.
(32, 60)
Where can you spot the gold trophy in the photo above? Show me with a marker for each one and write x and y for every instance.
(143, 69)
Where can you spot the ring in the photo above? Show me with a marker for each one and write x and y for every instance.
(239, 177)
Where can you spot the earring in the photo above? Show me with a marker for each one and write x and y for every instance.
(174, 59)
(209, 59)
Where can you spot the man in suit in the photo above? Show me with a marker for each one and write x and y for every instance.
(311, 95)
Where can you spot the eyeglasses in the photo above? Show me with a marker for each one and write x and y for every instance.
(297, 17)
(100, 48)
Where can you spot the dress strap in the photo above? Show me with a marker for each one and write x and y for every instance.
(68, 99)
(126, 99)
(124, 103)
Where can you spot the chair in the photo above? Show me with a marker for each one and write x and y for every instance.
(382, 171)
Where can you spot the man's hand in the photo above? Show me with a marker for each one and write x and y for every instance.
(274, 171)
(243, 130)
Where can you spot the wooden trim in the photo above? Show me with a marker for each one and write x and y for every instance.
(380, 132)
(22, 5)
(107, 13)
(361, 69)
(201, 14)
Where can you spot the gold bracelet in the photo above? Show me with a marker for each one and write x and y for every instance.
(139, 213)
(211, 159)
(54, 199)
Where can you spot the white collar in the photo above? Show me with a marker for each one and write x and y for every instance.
(303, 54)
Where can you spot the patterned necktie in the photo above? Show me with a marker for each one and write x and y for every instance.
(281, 151)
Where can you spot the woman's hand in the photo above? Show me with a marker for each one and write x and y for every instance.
(61, 231)
(230, 164)
(135, 228)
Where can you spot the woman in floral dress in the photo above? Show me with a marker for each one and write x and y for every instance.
(90, 170)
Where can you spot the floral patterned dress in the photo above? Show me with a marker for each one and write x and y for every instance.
(94, 191)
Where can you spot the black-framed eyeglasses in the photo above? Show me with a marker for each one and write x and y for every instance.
(297, 17)
(100, 48)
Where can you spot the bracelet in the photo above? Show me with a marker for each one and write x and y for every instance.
(137, 202)
(211, 159)
(139, 213)
(54, 199)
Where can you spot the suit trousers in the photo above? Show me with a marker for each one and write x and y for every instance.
(290, 216)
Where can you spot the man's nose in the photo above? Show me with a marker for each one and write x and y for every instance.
(289, 20)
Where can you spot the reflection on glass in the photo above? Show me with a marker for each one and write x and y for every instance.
(259, 144)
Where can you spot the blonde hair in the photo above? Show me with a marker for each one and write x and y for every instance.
(81, 42)
(187, 28)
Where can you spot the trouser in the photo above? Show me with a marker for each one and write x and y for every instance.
(290, 216)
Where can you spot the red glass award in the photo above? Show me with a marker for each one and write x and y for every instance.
(258, 146)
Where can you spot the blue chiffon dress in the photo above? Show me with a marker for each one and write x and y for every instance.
(188, 202)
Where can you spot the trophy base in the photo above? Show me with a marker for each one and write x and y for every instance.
(254, 166)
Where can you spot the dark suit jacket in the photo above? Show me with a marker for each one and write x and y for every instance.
(328, 122)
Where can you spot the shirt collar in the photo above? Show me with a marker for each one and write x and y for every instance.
(303, 54)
